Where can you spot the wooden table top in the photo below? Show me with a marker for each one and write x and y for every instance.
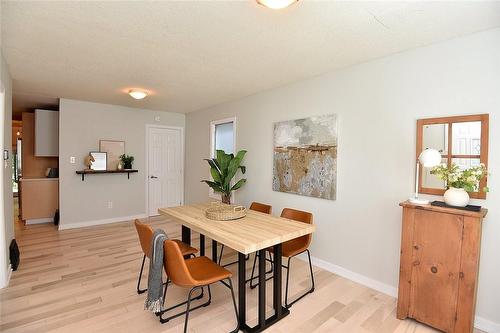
(256, 231)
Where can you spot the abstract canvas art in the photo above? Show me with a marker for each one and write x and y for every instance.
(305, 157)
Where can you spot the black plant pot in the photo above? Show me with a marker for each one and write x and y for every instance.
(127, 165)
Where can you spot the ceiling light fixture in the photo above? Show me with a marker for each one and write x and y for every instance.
(276, 4)
(137, 94)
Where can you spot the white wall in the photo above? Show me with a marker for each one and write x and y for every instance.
(81, 126)
(377, 104)
(7, 214)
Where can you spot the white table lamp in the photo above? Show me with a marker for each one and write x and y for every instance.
(429, 158)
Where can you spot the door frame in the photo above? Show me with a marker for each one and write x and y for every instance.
(213, 123)
(148, 130)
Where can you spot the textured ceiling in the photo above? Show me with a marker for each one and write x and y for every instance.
(192, 55)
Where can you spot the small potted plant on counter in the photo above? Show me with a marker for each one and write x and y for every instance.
(127, 161)
(459, 182)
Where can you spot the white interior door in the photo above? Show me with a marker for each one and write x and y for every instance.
(165, 174)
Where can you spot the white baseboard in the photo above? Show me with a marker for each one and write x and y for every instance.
(480, 323)
(486, 325)
(65, 226)
(39, 221)
(353, 276)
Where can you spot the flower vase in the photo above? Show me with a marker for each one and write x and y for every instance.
(457, 197)
(226, 198)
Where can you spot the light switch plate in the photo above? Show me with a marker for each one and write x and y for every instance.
(72, 160)
(157, 118)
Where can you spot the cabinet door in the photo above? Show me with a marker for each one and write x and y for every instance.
(435, 275)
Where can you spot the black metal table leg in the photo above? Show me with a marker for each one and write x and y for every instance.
(186, 235)
(262, 288)
(280, 311)
(277, 300)
(202, 245)
(242, 304)
(214, 250)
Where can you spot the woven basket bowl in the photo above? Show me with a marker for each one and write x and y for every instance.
(222, 212)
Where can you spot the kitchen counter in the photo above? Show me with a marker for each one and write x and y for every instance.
(39, 198)
(38, 179)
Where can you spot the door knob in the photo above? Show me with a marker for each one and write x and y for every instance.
(153, 177)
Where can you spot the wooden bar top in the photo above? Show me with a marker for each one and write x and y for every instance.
(449, 210)
(256, 231)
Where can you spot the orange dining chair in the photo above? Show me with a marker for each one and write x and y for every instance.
(255, 206)
(145, 233)
(293, 248)
(195, 273)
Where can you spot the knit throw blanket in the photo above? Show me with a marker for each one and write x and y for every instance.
(154, 300)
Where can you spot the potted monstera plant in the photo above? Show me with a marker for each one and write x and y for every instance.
(223, 169)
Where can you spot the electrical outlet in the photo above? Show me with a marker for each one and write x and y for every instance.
(157, 118)
(110, 204)
(72, 160)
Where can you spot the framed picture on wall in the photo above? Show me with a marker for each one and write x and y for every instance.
(305, 156)
(114, 149)
(99, 162)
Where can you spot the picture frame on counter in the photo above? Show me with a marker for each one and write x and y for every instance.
(114, 149)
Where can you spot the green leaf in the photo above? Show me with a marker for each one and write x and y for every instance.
(213, 163)
(223, 159)
(234, 165)
(215, 175)
(243, 169)
(214, 170)
(216, 187)
(238, 184)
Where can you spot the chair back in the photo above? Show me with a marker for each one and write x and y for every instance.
(145, 233)
(260, 207)
(175, 265)
(300, 216)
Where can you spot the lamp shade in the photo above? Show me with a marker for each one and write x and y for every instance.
(430, 158)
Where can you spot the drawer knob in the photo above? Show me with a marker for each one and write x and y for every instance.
(434, 269)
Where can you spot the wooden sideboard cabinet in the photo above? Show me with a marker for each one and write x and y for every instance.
(439, 266)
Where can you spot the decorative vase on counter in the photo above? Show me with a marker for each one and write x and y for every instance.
(457, 197)
(119, 166)
(226, 198)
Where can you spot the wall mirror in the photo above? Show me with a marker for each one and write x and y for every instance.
(462, 140)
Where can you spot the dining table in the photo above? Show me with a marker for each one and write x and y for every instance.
(254, 232)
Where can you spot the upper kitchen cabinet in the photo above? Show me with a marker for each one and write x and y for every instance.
(46, 133)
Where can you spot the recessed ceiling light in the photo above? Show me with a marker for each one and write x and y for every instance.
(137, 94)
(276, 4)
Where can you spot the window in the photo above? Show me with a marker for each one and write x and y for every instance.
(222, 137)
(462, 140)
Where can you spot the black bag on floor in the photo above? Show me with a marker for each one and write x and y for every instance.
(14, 255)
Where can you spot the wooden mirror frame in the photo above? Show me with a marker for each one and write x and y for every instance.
(483, 157)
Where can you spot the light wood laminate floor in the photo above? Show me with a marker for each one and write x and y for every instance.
(83, 280)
